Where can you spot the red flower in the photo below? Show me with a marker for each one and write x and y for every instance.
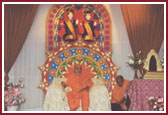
(58, 60)
(101, 62)
(67, 54)
(79, 51)
(105, 72)
(91, 54)
(52, 72)
(106, 82)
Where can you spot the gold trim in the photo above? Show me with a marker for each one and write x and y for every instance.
(154, 75)
(71, 28)
(69, 37)
(147, 60)
(89, 31)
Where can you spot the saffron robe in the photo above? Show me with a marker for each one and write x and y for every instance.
(78, 82)
(118, 93)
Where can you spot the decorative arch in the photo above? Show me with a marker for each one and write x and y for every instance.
(151, 54)
(57, 16)
(95, 54)
(58, 63)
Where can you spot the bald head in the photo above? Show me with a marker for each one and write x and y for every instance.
(77, 69)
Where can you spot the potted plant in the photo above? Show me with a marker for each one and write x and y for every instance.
(13, 96)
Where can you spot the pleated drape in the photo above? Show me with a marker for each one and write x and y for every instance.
(145, 26)
(18, 19)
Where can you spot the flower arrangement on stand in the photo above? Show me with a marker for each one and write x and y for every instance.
(12, 94)
(135, 63)
(157, 104)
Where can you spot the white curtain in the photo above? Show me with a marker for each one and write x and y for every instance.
(31, 56)
(120, 43)
(161, 51)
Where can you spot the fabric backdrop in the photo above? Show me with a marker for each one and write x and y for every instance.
(18, 20)
(145, 26)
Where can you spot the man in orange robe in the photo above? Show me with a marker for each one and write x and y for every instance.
(118, 99)
(80, 82)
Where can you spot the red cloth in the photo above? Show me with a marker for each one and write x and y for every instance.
(140, 90)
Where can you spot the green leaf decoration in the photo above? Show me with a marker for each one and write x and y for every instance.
(99, 73)
(84, 59)
(64, 64)
(59, 73)
(74, 58)
(94, 65)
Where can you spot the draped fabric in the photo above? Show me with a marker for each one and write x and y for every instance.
(140, 91)
(17, 23)
(145, 26)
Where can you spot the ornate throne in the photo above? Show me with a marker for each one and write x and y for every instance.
(63, 52)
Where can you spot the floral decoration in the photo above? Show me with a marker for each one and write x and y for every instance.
(157, 104)
(135, 62)
(12, 94)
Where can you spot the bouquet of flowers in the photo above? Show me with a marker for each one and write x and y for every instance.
(12, 94)
(157, 104)
(135, 62)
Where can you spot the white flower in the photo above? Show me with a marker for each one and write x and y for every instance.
(23, 100)
(20, 101)
(155, 103)
(154, 106)
(160, 100)
(21, 79)
(139, 51)
(129, 55)
(131, 61)
(68, 89)
(160, 109)
(151, 98)
(139, 61)
(22, 85)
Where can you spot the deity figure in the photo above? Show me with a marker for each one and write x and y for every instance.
(89, 27)
(70, 26)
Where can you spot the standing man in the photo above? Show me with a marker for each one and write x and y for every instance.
(80, 83)
(118, 99)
